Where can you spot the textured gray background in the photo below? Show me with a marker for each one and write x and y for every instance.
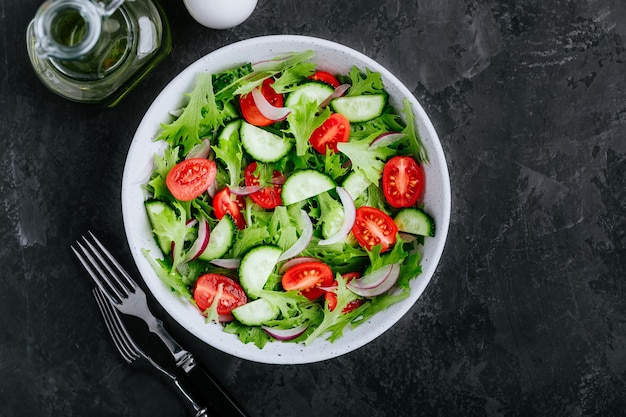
(526, 315)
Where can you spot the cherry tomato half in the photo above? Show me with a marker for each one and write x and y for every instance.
(226, 203)
(267, 197)
(206, 289)
(325, 77)
(190, 178)
(334, 130)
(308, 277)
(331, 297)
(403, 181)
(374, 227)
(251, 112)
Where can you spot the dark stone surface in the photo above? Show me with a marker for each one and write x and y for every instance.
(526, 315)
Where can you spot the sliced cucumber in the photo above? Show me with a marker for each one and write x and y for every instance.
(256, 267)
(305, 184)
(221, 239)
(229, 130)
(355, 184)
(262, 145)
(360, 108)
(311, 91)
(256, 312)
(415, 221)
(162, 219)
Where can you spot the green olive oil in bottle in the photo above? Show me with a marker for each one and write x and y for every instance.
(96, 52)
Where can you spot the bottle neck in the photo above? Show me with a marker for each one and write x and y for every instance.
(69, 29)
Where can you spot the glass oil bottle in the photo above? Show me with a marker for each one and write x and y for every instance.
(96, 52)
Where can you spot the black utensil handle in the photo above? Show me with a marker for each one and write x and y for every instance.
(191, 397)
(219, 402)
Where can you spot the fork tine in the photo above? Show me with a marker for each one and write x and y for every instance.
(124, 282)
(96, 273)
(121, 339)
(99, 275)
(104, 268)
(130, 282)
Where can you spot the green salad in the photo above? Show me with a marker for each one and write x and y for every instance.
(288, 203)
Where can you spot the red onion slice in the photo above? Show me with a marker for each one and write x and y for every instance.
(268, 64)
(278, 180)
(407, 237)
(176, 112)
(201, 242)
(266, 109)
(339, 92)
(376, 283)
(386, 139)
(200, 150)
(286, 334)
(296, 261)
(212, 190)
(373, 279)
(230, 263)
(303, 240)
(226, 318)
(144, 174)
(245, 190)
(349, 216)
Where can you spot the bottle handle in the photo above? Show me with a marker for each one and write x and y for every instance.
(111, 7)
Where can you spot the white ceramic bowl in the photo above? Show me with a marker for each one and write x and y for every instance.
(329, 56)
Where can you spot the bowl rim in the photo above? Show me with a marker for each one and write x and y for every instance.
(143, 138)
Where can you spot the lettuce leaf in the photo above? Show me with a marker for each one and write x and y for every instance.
(265, 70)
(303, 120)
(288, 302)
(251, 236)
(227, 78)
(248, 334)
(283, 228)
(331, 214)
(365, 83)
(369, 161)
(170, 277)
(212, 316)
(230, 151)
(291, 77)
(201, 108)
(416, 147)
(162, 166)
(334, 322)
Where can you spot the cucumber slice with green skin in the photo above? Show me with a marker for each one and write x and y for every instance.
(256, 312)
(256, 267)
(161, 215)
(305, 184)
(229, 130)
(262, 145)
(311, 91)
(356, 183)
(360, 108)
(221, 239)
(415, 221)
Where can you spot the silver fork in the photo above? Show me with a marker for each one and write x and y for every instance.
(133, 355)
(121, 290)
(127, 297)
